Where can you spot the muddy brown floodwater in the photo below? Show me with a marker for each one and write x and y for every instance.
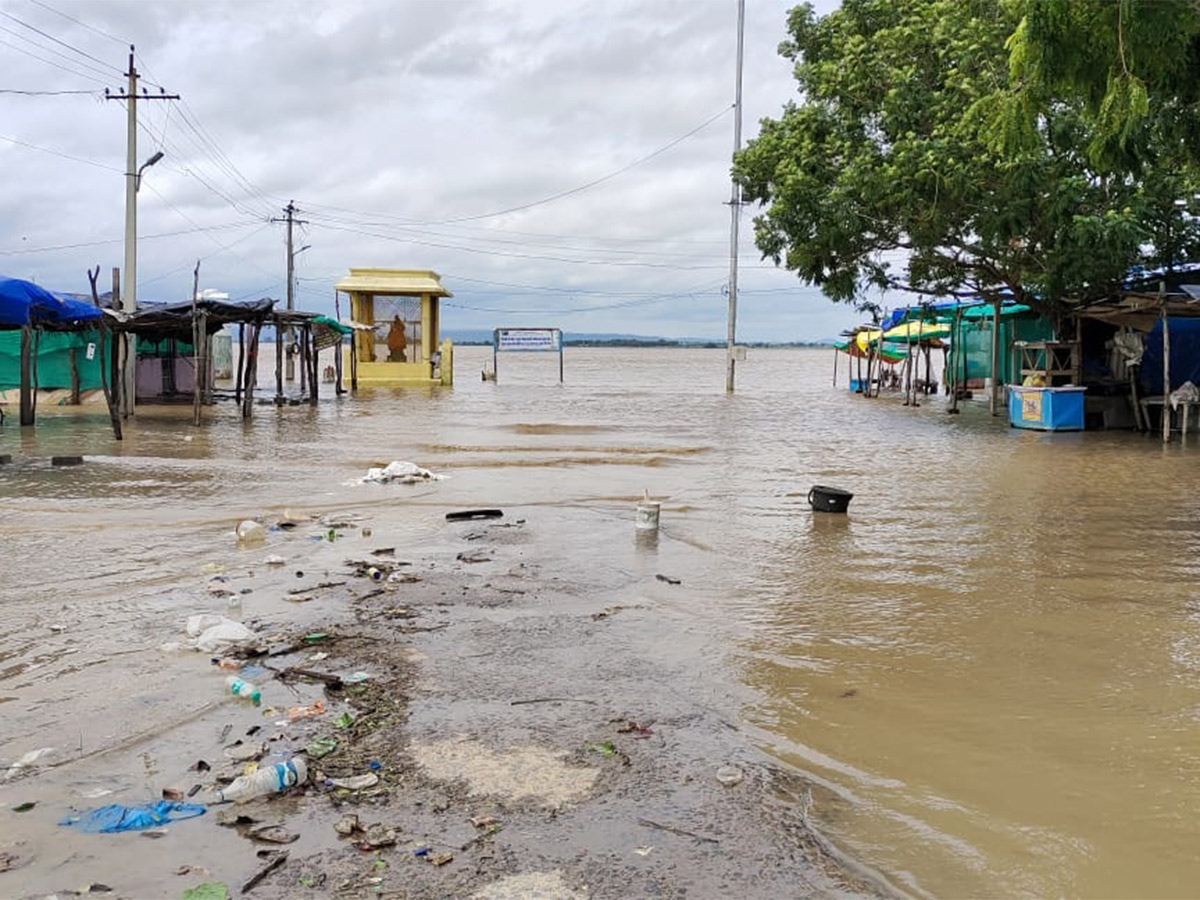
(981, 682)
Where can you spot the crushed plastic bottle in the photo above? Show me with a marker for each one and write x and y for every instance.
(251, 532)
(273, 779)
(243, 689)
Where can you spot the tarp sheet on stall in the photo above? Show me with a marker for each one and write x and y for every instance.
(1185, 356)
(25, 303)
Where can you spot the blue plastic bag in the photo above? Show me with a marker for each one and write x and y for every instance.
(115, 817)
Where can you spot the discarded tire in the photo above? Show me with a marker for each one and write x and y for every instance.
(829, 499)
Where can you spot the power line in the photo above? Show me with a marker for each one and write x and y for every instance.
(62, 68)
(141, 237)
(91, 28)
(45, 93)
(544, 200)
(62, 43)
(90, 162)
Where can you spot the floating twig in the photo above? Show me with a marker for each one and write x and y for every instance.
(552, 700)
(265, 871)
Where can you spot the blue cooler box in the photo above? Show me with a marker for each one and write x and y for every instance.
(1046, 408)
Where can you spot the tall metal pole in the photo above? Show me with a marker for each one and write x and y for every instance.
(291, 297)
(735, 205)
(129, 295)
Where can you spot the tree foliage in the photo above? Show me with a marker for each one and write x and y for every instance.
(912, 161)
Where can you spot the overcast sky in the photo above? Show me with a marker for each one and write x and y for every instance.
(409, 134)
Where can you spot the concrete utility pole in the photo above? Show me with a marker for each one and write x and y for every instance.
(290, 211)
(133, 176)
(735, 204)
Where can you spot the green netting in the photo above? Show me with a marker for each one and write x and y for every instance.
(974, 339)
(54, 359)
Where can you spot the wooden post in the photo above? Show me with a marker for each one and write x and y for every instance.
(315, 367)
(26, 383)
(114, 413)
(278, 363)
(199, 327)
(237, 386)
(73, 362)
(1166, 406)
(337, 368)
(993, 401)
(353, 362)
(303, 358)
(251, 373)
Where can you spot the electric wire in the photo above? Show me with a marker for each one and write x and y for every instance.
(69, 18)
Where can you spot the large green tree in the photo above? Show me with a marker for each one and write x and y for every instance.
(902, 166)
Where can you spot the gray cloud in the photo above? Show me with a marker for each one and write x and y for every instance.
(384, 121)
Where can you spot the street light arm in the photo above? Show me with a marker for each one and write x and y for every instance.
(143, 167)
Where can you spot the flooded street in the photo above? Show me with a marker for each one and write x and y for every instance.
(989, 668)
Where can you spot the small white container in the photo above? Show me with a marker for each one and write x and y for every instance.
(647, 513)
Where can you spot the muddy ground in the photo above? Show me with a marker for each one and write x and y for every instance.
(532, 733)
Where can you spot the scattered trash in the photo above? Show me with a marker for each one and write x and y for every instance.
(276, 861)
(251, 532)
(25, 807)
(321, 747)
(274, 560)
(155, 834)
(217, 634)
(291, 519)
(475, 556)
(229, 664)
(272, 834)
(374, 765)
(199, 766)
(607, 748)
(376, 836)
(484, 821)
(638, 731)
(172, 794)
(356, 678)
(730, 775)
(606, 612)
(643, 851)
(468, 514)
(240, 752)
(305, 712)
(8, 861)
(318, 656)
(403, 578)
(398, 472)
(647, 513)
(421, 851)
(210, 890)
(667, 579)
(441, 859)
(232, 818)
(28, 761)
(366, 532)
(347, 824)
(243, 690)
(355, 782)
(344, 721)
(269, 780)
(331, 535)
(315, 637)
(116, 817)
(375, 574)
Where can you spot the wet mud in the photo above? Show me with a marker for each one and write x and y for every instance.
(523, 729)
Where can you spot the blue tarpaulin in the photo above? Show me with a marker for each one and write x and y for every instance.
(1185, 356)
(25, 303)
(115, 817)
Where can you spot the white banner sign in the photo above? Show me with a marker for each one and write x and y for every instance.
(529, 340)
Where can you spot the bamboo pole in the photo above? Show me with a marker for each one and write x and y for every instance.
(314, 358)
(114, 413)
(354, 362)
(241, 366)
(26, 380)
(199, 326)
(337, 368)
(278, 363)
(993, 403)
(73, 362)
(1166, 405)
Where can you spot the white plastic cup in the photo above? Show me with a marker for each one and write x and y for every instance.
(647, 513)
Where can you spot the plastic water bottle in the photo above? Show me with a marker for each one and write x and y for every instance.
(273, 779)
(243, 689)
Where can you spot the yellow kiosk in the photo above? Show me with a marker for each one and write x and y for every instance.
(395, 316)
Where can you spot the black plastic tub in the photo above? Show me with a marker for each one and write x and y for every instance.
(828, 499)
